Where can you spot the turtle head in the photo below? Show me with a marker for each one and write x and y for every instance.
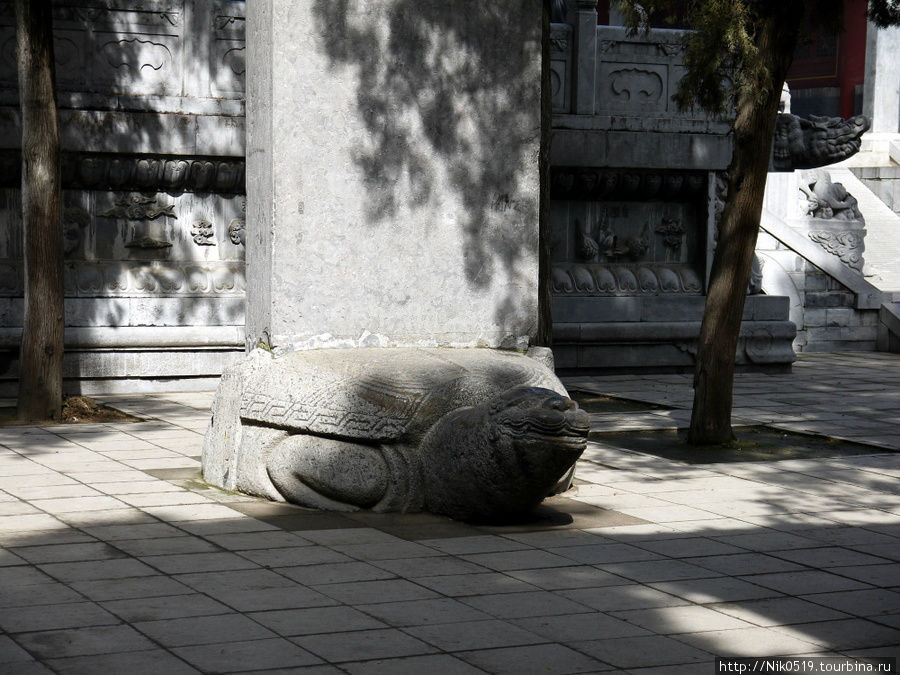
(499, 459)
(535, 416)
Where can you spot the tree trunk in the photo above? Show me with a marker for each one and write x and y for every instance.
(730, 275)
(544, 335)
(40, 356)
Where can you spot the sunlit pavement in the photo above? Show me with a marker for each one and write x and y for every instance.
(116, 558)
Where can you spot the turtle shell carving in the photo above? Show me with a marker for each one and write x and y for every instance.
(380, 395)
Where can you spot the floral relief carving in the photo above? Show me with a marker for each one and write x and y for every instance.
(204, 233)
(672, 231)
(848, 246)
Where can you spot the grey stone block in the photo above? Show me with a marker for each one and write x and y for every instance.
(829, 299)
(566, 333)
(586, 309)
(868, 317)
(859, 333)
(97, 311)
(187, 311)
(832, 284)
(673, 308)
(816, 282)
(565, 356)
(767, 308)
(843, 334)
(655, 331)
(798, 279)
(11, 312)
(644, 148)
(840, 346)
(633, 356)
(156, 364)
(840, 317)
(814, 317)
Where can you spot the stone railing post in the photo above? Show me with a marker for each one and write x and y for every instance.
(881, 91)
(585, 56)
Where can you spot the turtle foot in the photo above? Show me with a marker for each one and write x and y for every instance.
(326, 473)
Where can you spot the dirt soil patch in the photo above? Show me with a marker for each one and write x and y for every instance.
(76, 410)
(753, 444)
(602, 403)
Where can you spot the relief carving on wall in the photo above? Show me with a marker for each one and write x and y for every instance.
(204, 233)
(670, 48)
(606, 243)
(137, 206)
(616, 279)
(234, 59)
(849, 246)
(636, 86)
(672, 231)
(75, 221)
(136, 55)
(137, 172)
(141, 209)
(120, 278)
(237, 231)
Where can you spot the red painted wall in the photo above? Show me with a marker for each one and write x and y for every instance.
(834, 61)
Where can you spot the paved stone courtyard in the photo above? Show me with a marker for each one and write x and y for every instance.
(116, 558)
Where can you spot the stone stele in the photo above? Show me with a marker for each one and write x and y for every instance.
(474, 434)
(393, 173)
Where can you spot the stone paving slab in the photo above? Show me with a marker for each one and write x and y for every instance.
(115, 557)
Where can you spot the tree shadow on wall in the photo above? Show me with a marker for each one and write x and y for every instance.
(448, 99)
(151, 110)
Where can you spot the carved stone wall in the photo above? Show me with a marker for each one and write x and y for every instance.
(169, 48)
(613, 105)
(620, 232)
(561, 41)
(634, 201)
(152, 121)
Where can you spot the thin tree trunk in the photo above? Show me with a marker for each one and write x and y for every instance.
(40, 356)
(753, 129)
(544, 335)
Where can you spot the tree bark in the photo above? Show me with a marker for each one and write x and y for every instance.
(41, 353)
(776, 38)
(544, 337)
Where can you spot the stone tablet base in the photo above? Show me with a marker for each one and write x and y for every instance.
(470, 433)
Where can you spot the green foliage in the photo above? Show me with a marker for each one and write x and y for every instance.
(884, 13)
(720, 53)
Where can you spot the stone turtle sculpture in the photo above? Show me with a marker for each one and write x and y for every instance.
(474, 434)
